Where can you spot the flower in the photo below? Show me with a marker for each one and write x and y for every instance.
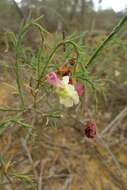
(67, 93)
(52, 78)
(90, 129)
(79, 88)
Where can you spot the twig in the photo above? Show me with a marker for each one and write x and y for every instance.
(104, 144)
(57, 176)
(116, 179)
(68, 183)
(111, 35)
(12, 109)
(114, 123)
(24, 145)
(40, 177)
(41, 173)
(6, 176)
(18, 79)
(64, 37)
(69, 42)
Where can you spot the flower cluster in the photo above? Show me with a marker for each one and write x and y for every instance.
(68, 89)
(67, 92)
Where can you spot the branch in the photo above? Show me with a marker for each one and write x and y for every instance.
(109, 37)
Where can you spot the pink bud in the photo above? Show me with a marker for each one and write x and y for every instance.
(52, 79)
(90, 129)
(80, 89)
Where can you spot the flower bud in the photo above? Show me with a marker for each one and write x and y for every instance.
(90, 129)
(72, 61)
(79, 88)
(64, 71)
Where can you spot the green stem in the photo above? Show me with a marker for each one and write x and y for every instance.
(87, 80)
(18, 48)
(12, 109)
(53, 53)
(18, 80)
(110, 36)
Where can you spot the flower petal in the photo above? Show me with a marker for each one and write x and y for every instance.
(80, 89)
(76, 99)
(52, 79)
(65, 80)
(67, 102)
(67, 93)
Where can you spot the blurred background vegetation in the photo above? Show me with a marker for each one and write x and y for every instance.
(77, 15)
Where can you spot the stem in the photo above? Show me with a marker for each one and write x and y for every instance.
(64, 37)
(18, 80)
(12, 109)
(52, 54)
(18, 48)
(109, 37)
(6, 175)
